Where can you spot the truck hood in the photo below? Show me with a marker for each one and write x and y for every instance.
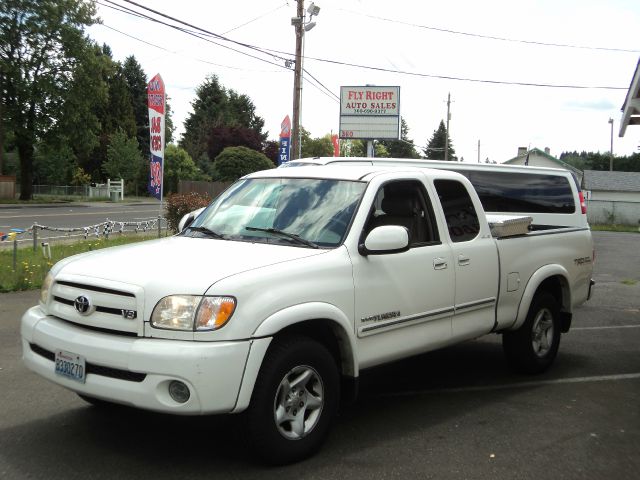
(178, 264)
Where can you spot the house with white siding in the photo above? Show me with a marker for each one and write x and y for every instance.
(538, 158)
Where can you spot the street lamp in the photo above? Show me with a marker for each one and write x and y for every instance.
(301, 25)
(611, 150)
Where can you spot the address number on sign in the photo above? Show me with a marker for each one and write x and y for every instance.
(346, 133)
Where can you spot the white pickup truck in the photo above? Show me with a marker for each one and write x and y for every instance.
(292, 281)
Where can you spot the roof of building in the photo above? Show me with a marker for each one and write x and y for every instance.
(611, 181)
(542, 153)
(631, 107)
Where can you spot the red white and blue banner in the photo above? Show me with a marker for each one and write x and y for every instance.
(285, 141)
(156, 104)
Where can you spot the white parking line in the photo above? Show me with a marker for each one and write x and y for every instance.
(608, 327)
(508, 386)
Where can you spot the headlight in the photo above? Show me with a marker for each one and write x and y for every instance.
(192, 312)
(46, 286)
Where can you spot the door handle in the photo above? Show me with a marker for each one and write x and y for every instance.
(439, 263)
(463, 261)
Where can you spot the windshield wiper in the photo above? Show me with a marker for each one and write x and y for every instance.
(292, 236)
(206, 231)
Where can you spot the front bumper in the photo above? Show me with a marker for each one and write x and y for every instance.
(137, 371)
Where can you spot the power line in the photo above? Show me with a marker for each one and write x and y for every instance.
(347, 64)
(491, 37)
(174, 52)
(194, 34)
(465, 79)
(254, 19)
(333, 95)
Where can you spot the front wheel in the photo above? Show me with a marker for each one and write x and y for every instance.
(294, 400)
(534, 346)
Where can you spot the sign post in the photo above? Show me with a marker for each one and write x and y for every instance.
(156, 104)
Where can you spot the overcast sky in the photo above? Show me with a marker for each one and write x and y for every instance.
(414, 42)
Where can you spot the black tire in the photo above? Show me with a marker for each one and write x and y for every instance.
(533, 347)
(282, 431)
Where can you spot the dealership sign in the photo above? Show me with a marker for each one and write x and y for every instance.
(370, 112)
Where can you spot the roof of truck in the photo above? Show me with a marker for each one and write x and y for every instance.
(417, 163)
(361, 172)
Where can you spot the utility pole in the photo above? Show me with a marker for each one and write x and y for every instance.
(446, 142)
(478, 151)
(611, 150)
(297, 74)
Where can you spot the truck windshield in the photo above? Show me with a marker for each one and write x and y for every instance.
(302, 212)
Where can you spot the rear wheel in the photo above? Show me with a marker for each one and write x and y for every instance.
(294, 400)
(534, 346)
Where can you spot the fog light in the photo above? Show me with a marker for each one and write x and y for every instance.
(179, 391)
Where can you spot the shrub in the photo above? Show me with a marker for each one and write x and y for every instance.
(236, 162)
(179, 204)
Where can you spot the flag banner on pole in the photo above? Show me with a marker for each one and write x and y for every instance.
(336, 145)
(155, 177)
(156, 105)
(285, 141)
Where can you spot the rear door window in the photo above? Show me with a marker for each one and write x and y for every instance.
(522, 192)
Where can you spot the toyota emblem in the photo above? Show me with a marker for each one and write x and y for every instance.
(82, 305)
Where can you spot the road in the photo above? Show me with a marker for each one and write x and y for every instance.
(73, 215)
(454, 414)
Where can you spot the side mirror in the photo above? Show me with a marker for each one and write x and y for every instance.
(384, 240)
(186, 220)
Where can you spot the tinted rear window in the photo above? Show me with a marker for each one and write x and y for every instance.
(522, 192)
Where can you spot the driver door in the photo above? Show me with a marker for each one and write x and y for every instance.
(403, 301)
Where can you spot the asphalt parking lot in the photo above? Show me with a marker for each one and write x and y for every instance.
(457, 413)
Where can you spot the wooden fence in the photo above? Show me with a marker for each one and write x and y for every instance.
(7, 187)
(213, 189)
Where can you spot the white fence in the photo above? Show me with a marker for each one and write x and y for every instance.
(606, 212)
(113, 189)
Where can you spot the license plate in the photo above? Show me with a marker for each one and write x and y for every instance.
(71, 365)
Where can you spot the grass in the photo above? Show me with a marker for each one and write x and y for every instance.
(32, 266)
(629, 282)
(616, 228)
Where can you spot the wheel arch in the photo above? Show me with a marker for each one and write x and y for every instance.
(322, 322)
(555, 280)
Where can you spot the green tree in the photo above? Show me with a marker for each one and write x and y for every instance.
(316, 147)
(169, 128)
(213, 107)
(80, 177)
(358, 148)
(236, 162)
(123, 157)
(40, 44)
(402, 148)
(437, 144)
(178, 165)
(53, 164)
(136, 81)
(600, 161)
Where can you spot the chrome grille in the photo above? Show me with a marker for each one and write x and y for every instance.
(108, 307)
